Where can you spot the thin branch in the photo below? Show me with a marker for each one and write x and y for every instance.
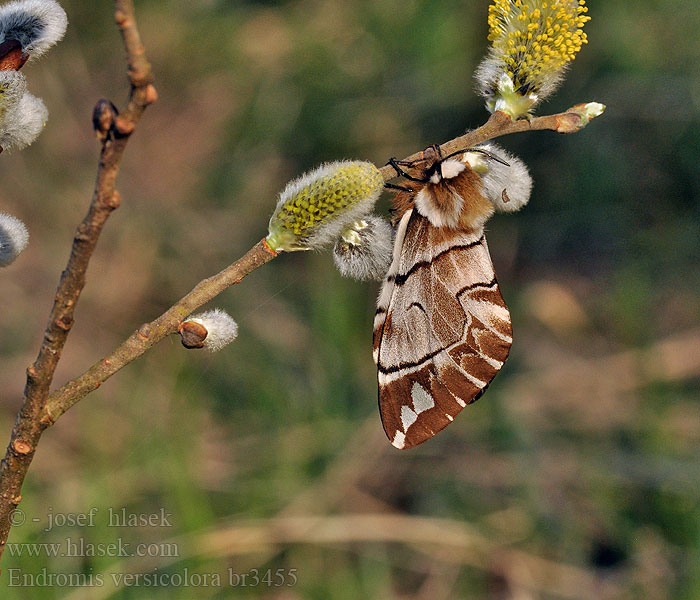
(499, 124)
(105, 199)
(151, 333)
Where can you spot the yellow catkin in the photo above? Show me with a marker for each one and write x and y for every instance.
(311, 208)
(535, 40)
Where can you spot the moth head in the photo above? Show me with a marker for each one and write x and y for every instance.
(450, 195)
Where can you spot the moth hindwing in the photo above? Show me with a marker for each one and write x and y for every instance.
(442, 330)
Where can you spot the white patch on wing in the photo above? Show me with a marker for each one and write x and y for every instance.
(422, 400)
(449, 416)
(408, 417)
(399, 440)
(496, 364)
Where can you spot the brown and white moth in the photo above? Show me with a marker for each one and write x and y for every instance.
(442, 330)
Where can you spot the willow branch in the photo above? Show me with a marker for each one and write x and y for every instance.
(151, 333)
(114, 134)
(500, 124)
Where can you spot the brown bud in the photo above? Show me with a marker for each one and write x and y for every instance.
(65, 323)
(103, 117)
(21, 447)
(115, 200)
(570, 122)
(120, 17)
(145, 331)
(11, 56)
(193, 334)
(124, 126)
(151, 94)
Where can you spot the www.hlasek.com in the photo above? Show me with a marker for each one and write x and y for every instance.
(184, 578)
(80, 548)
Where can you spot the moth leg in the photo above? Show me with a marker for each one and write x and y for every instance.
(401, 188)
(401, 173)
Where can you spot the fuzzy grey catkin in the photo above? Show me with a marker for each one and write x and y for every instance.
(14, 238)
(22, 122)
(220, 326)
(35, 24)
(364, 251)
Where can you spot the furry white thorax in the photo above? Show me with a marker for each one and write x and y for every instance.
(451, 168)
(445, 216)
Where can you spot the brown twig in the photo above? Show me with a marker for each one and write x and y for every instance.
(500, 124)
(29, 426)
(151, 333)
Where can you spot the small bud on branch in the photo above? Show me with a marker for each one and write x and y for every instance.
(103, 116)
(211, 330)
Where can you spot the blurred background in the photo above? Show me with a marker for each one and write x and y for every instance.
(577, 475)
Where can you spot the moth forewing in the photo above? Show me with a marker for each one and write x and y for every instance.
(442, 330)
(388, 285)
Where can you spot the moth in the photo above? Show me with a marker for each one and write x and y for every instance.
(442, 329)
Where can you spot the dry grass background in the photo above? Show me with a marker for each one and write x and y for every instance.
(576, 476)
